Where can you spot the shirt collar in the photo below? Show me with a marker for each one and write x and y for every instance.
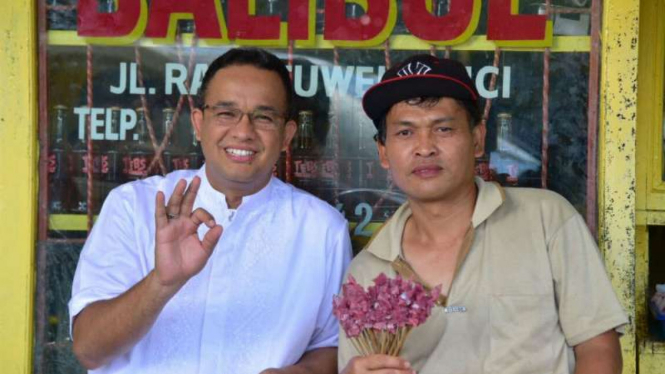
(387, 240)
(212, 196)
(490, 197)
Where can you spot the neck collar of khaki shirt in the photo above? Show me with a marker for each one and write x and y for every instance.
(388, 245)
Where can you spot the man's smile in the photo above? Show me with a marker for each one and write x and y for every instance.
(240, 155)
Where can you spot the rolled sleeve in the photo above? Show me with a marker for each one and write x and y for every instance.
(110, 262)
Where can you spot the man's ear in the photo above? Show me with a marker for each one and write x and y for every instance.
(196, 118)
(383, 158)
(290, 128)
(479, 133)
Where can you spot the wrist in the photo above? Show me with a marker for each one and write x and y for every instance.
(159, 289)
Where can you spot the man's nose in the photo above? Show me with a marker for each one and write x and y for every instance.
(426, 146)
(244, 128)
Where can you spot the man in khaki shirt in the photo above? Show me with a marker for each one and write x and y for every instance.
(524, 287)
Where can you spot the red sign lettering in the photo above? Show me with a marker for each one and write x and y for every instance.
(207, 15)
(374, 24)
(242, 25)
(504, 26)
(122, 22)
(459, 23)
(372, 28)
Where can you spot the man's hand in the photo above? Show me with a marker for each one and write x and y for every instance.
(378, 364)
(179, 254)
(106, 329)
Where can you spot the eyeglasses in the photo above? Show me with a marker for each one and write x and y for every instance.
(265, 119)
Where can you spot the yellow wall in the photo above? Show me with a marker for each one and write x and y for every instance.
(18, 182)
(616, 158)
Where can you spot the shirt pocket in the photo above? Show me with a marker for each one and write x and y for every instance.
(523, 334)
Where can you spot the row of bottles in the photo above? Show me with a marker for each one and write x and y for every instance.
(316, 163)
(112, 162)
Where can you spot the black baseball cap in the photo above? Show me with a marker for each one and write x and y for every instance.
(419, 76)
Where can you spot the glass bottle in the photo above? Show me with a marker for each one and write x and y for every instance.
(167, 120)
(305, 130)
(108, 164)
(194, 154)
(137, 153)
(58, 163)
(504, 126)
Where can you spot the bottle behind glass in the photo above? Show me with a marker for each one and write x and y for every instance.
(507, 166)
(304, 164)
(194, 153)
(504, 131)
(171, 160)
(305, 138)
(108, 164)
(137, 152)
(80, 165)
(58, 163)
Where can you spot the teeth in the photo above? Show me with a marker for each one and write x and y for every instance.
(239, 152)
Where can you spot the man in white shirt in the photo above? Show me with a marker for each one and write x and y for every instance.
(235, 272)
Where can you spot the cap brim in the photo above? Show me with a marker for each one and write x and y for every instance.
(382, 96)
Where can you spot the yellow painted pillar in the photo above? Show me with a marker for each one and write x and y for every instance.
(616, 158)
(18, 182)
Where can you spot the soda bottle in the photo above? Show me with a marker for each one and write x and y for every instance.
(167, 120)
(195, 156)
(137, 151)
(107, 164)
(58, 163)
(305, 131)
(173, 159)
(504, 131)
(506, 164)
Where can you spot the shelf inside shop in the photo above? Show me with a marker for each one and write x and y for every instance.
(397, 42)
(68, 222)
(78, 222)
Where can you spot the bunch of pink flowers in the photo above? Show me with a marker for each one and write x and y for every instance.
(378, 320)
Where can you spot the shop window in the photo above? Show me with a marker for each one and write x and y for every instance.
(115, 114)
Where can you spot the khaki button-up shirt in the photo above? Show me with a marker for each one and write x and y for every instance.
(531, 286)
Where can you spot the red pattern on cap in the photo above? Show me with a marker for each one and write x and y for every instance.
(437, 76)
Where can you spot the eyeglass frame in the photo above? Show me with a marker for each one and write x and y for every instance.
(250, 114)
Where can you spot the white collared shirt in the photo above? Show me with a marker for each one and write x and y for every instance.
(263, 299)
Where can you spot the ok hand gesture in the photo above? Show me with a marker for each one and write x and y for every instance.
(179, 254)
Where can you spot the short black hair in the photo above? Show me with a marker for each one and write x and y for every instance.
(471, 107)
(255, 57)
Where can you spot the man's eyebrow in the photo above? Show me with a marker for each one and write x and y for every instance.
(231, 104)
(436, 121)
(444, 119)
(225, 104)
(404, 123)
(267, 108)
